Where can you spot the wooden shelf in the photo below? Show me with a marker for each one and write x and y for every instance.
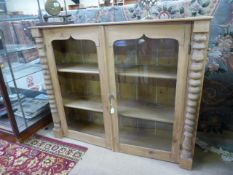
(149, 72)
(84, 69)
(147, 112)
(90, 105)
(135, 110)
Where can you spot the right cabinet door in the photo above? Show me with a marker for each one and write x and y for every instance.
(147, 92)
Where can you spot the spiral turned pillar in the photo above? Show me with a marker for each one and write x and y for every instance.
(48, 83)
(194, 90)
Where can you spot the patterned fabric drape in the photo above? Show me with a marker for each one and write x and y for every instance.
(216, 114)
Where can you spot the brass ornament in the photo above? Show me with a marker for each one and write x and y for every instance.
(53, 7)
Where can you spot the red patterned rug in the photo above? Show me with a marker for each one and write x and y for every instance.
(39, 156)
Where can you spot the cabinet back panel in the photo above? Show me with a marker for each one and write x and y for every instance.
(85, 121)
(74, 51)
(146, 52)
(145, 133)
(146, 69)
(147, 90)
(79, 84)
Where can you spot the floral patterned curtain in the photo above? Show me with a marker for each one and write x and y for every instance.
(216, 114)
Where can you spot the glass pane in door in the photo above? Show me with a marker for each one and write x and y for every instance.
(145, 133)
(85, 121)
(78, 75)
(145, 71)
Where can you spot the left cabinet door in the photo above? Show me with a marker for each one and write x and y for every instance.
(75, 67)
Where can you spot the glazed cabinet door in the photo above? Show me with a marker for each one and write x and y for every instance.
(74, 58)
(147, 75)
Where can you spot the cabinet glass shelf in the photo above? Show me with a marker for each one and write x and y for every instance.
(20, 122)
(21, 70)
(13, 48)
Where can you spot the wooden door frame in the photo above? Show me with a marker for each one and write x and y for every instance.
(181, 33)
(82, 33)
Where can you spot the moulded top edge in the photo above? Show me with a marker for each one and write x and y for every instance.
(189, 19)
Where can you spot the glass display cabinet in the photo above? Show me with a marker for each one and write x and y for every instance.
(23, 100)
(134, 87)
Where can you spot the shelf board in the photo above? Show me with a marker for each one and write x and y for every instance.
(135, 110)
(21, 71)
(160, 72)
(89, 105)
(14, 48)
(84, 69)
(148, 112)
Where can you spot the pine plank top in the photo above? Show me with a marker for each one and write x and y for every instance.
(189, 19)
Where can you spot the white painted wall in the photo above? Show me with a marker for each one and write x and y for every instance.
(85, 3)
(31, 7)
(25, 6)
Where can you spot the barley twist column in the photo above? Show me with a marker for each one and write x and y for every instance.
(199, 45)
(48, 83)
